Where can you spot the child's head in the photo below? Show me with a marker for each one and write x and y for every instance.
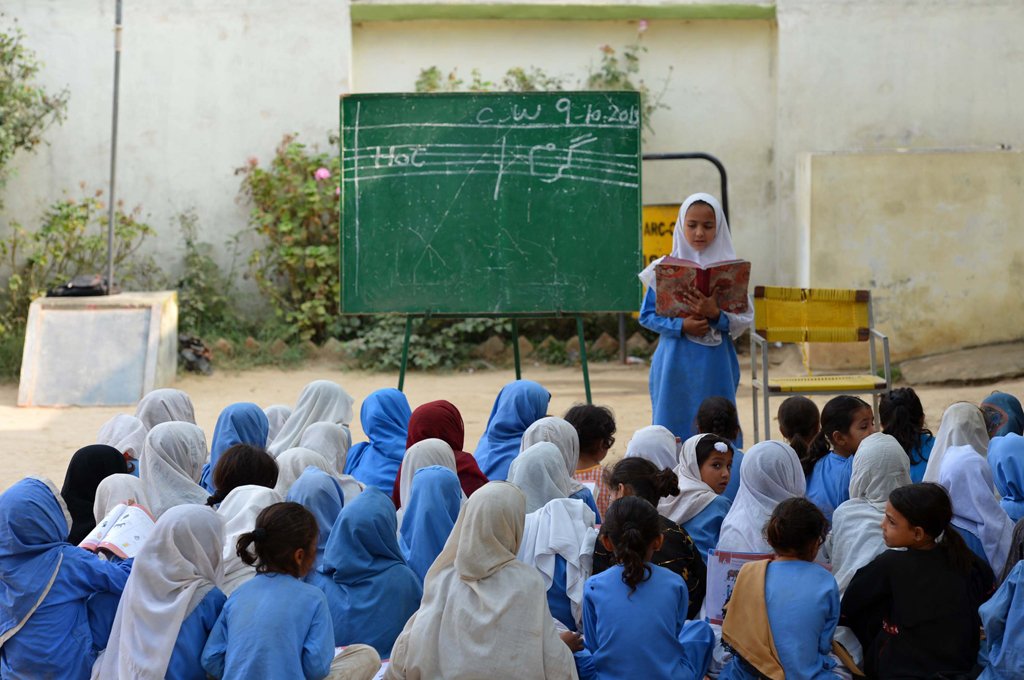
(845, 422)
(714, 458)
(917, 515)
(632, 532)
(796, 529)
(595, 426)
(640, 477)
(717, 415)
(700, 225)
(284, 540)
(903, 417)
(240, 465)
(799, 423)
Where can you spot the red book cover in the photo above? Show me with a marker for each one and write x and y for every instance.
(727, 281)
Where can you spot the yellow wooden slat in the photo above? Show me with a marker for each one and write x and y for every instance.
(811, 314)
(839, 383)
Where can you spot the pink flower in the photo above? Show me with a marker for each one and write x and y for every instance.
(641, 26)
(253, 161)
(322, 173)
(337, 191)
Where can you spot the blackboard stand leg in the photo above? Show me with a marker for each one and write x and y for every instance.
(405, 352)
(622, 337)
(515, 348)
(583, 358)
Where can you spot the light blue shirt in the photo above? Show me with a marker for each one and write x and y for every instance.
(829, 485)
(186, 659)
(705, 526)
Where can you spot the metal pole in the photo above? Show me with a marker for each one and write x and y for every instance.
(515, 348)
(622, 337)
(113, 150)
(405, 352)
(724, 185)
(583, 357)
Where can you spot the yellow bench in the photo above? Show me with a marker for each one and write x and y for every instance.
(803, 315)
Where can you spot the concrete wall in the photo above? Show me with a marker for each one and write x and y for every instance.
(204, 86)
(935, 235)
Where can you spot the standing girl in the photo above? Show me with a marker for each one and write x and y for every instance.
(903, 417)
(695, 358)
(845, 422)
(915, 611)
(276, 626)
(783, 612)
(638, 605)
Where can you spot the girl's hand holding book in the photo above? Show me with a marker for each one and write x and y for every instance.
(695, 325)
(702, 305)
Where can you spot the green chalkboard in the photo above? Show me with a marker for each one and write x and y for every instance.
(497, 203)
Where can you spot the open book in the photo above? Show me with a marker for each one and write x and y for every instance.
(727, 282)
(723, 568)
(122, 532)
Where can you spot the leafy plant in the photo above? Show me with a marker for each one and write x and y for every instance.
(71, 240)
(26, 109)
(433, 344)
(621, 71)
(296, 209)
(205, 300)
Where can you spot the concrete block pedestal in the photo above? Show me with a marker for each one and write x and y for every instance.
(99, 351)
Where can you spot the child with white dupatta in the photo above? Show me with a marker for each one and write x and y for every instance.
(483, 613)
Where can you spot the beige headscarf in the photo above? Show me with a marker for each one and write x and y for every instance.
(293, 462)
(172, 464)
(562, 434)
(963, 424)
(117, 489)
(694, 493)
(332, 441)
(484, 613)
(239, 511)
(321, 401)
(165, 405)
(420, 455)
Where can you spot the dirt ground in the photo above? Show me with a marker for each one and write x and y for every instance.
(42, 440)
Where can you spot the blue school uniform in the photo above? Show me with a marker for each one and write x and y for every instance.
(587, 497)
(734, 475)
(519, 405)
(56, 640)
(829, 484)
(643, 634)
(1002, 650)
(241, 423)
(684, 373)
(921, 453)
(558, 599)
(370, 589)
(274, 626)
(802, 599)
(384, 416)
(705, 526)
(973, 542)
(1006, 458)
(321, 494)
(430, 516)
(186, 659)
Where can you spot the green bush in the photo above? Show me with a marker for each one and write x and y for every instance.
(205, 291)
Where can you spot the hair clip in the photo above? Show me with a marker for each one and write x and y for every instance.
(721, 447)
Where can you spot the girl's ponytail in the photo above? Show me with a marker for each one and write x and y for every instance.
(632, 525)
(666, 483)
(902, 417)
(927, 505)
(799, 422)
(643, 478)
(281, 529)
(242, 547)
(837, 416)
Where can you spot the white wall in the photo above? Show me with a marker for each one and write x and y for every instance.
(720, 90)
(204, 86)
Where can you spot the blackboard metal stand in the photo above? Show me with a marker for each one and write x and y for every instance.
(515, 342)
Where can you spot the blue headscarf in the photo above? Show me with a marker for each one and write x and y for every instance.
(519, 405)
(1006, 457)
(33, 528)
(378, 592)
(384, 417)
(1006, 412)
(241, 423)
(433, 508)
(321, 494)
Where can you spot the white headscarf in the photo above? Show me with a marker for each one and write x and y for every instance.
(332, 441)
(165, 405)
(880, 466)
(694, 493)
(962, 425)
(321, 401)
(564, 527)
(117, 489)
(968, 478)
(422, 454)
(562, 434)
(239, 510)
(172, 464)
(291, 464)
(175, 569)
(656, 444)
(277, 415)
(720, 250)
(125, 433)
(484, 614)
(770, 474)
(540, 475)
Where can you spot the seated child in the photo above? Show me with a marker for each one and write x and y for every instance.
(595, 426)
